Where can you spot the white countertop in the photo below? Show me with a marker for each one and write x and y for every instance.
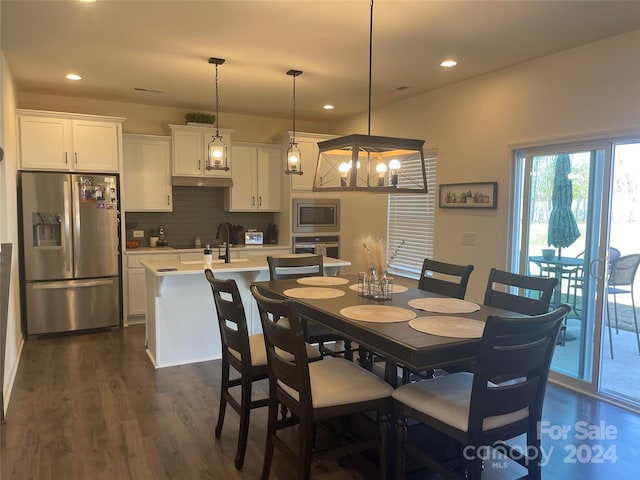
(166, 267)
(252, 248)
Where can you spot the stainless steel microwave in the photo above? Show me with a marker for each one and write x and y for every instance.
(316, 215)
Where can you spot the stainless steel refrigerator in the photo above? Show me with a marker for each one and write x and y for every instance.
(70, 251)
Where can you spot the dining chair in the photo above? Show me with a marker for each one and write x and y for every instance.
(519, 293)
(297, 267)
(576, 279)
(622, 273)
(478, 413)
(245, 353)
(446, 279)
(313, 392)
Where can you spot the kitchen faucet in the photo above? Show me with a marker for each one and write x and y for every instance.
(227, 255)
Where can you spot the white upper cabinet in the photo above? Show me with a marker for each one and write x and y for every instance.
(308, 145)
(190, 149)
(256, 175)
(147, 173)
(63, 141)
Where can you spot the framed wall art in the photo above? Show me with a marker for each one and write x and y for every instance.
(469, 195)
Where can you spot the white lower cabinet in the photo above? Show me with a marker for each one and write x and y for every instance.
(135, 286)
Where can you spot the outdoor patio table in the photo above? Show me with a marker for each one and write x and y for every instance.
(558, 266)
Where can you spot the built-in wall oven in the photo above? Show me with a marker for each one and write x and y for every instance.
(327, 245)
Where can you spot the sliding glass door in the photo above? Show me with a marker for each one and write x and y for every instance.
(574, 215)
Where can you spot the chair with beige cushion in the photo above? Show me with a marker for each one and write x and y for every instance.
(245, 353)
(314, 392)
(281, 268)
(475, 411)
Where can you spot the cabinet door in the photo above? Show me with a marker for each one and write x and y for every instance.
(45, 143)
(147, 174)
(269, 178)
(136, 290)
(242, 196)
(188, 152)
(309, 156)
(95, 146)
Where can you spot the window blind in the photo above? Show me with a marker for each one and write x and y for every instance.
(411, 219)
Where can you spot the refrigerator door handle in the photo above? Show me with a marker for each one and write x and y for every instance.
(71, 284)
(65, 240)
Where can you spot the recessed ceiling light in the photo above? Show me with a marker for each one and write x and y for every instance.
(448, 63)
(328, 107)
(74, 76)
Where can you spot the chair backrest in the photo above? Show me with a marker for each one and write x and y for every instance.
(295, 267)
(285, 345)
(623, 270)
(515, 348)
(445, 278)
(532, 297)
(232, 320)
(614, 254)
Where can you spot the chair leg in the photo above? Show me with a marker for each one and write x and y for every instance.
(307, 439)
(269, 445)
(383, 421)
(609, 328)
(245, 412)
(615, 311)
(534, 468)
(635, 320)
(401, 442)
(224, 388)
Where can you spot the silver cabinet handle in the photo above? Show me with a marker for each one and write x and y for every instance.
(253, 201)
(168, 200)
(66, 159)
(71, 284)
(260, 201)
(76, 157)
(199, 162)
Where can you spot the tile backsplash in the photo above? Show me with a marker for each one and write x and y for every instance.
(197, 212)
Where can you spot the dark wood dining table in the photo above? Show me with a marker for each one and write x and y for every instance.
(397, 342)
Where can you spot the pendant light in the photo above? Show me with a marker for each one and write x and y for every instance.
(217, 152)
(380, 162)
(294, 157)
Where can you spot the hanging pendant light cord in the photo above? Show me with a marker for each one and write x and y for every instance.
(217, 104)
(294, 110)
(370, 61)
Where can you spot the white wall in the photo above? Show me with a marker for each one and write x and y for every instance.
(586, 91)
(9, 223)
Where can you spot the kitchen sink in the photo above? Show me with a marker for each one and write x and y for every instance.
(215, 262)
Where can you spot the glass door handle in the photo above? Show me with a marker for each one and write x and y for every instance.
(596, 269)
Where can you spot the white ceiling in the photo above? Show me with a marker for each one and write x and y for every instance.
(165, 45)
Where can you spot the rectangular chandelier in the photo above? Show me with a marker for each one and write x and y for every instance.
(382, 165)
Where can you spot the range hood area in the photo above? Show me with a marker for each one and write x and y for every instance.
(202, 182)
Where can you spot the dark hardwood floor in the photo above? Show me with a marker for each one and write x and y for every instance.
(92, 407)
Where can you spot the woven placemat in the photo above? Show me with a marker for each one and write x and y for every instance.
(378, 313)
(445, 326)
(444, 305)
(313, 292)
(322, 281)
(394, 288)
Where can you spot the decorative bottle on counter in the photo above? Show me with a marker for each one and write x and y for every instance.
(208, 255)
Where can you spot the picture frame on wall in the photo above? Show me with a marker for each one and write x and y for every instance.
(468, 195)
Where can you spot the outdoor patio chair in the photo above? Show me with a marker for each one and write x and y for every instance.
(622, 273)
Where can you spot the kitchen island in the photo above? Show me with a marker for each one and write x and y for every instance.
(181, 324)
